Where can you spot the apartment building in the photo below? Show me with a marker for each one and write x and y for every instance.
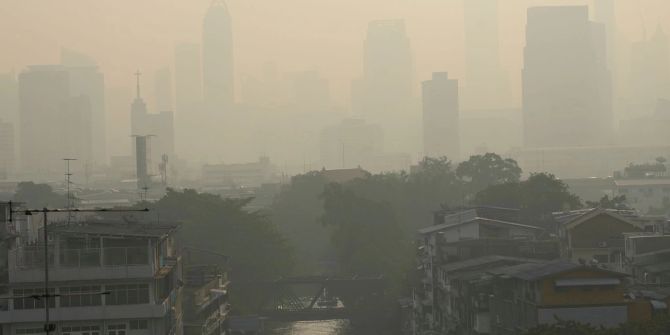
(106, 277)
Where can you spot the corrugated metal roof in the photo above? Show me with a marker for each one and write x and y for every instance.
(571, 282)
(446, 226)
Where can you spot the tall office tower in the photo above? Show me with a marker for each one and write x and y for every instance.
(650, 72)
(86, 80)
(441, 135)
(566, 83)
(485, 83)
(9, 98)
(383, 95)
(42, 92)
(217, 59)
(604, 11)
(6, 149)
(163, 89)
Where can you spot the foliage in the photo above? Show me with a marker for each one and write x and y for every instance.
(366, 235)
(536, 197)
(296, 212)
(39, 196)
(482, 171)
(256, 249)
(616, 202)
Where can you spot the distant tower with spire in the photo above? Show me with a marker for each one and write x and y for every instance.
(217, 58)
(138, 110)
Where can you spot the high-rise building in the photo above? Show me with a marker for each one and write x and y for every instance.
(86, 80)
(217, 58)
(383, 95)
(485, 83)
(43, 91)
(6, 149)
(9, 98)
(163, 89)
(441, 117)
(650, 72)
(311, 92)
(566, 83)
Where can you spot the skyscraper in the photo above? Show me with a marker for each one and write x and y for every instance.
(566, 83)
(650, 72)
(383, 95)
(86, 80)
(188, 78)
(441, 135)
(485, 83)
(9, 98)
(6, 149)
(47, 116)
(217, 58)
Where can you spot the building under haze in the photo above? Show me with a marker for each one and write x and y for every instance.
(6, 149)
(54, 124)
(649, 73)
(352, 143)
(87, 81)
(383, 95)
(159, 127)
(163, 89)
(566, 83)
(9, 98)
(217, 59)
(485, 83)
(441, 117)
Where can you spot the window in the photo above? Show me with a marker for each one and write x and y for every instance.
(127, 294)
(80, 296)
(138, 324)
(31, 298)
(119, 329)
(22, 331)
(80, 330)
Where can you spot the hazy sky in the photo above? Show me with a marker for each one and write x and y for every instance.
(326, 35)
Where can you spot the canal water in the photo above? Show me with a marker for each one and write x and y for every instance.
(331, 327)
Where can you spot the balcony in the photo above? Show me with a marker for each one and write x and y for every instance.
(27, 264)
(144, 311)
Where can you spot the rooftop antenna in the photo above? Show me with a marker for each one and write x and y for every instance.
(138, 74)
(68, 206)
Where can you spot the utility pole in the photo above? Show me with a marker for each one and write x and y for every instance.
(48, 327)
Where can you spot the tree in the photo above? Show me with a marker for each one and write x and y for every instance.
(537, 197)
(39, 195)
(616, 202)
(367, 236)
(296, 211)
(482, 171)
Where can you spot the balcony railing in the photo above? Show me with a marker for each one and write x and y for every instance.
(29, 257)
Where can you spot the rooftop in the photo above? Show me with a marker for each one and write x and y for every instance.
(535, 271)
(475, 262)
(116, 229)
(446, 226)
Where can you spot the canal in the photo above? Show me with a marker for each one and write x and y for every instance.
(331, 327)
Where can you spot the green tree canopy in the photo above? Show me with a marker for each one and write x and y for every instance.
(482, 171)
(39, 195)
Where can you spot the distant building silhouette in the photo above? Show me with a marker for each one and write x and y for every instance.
(384, 93)
(485, 83)
(350, 144)
(158, 126)
(9, 98)
(53, 123)
(650, 72)
(217, 58)
(311, 92)
(566, 83)
(163, 89)
(441, 117)
(7, 155)
(188, 98)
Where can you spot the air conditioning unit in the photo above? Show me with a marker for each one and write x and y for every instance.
(602, 244)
